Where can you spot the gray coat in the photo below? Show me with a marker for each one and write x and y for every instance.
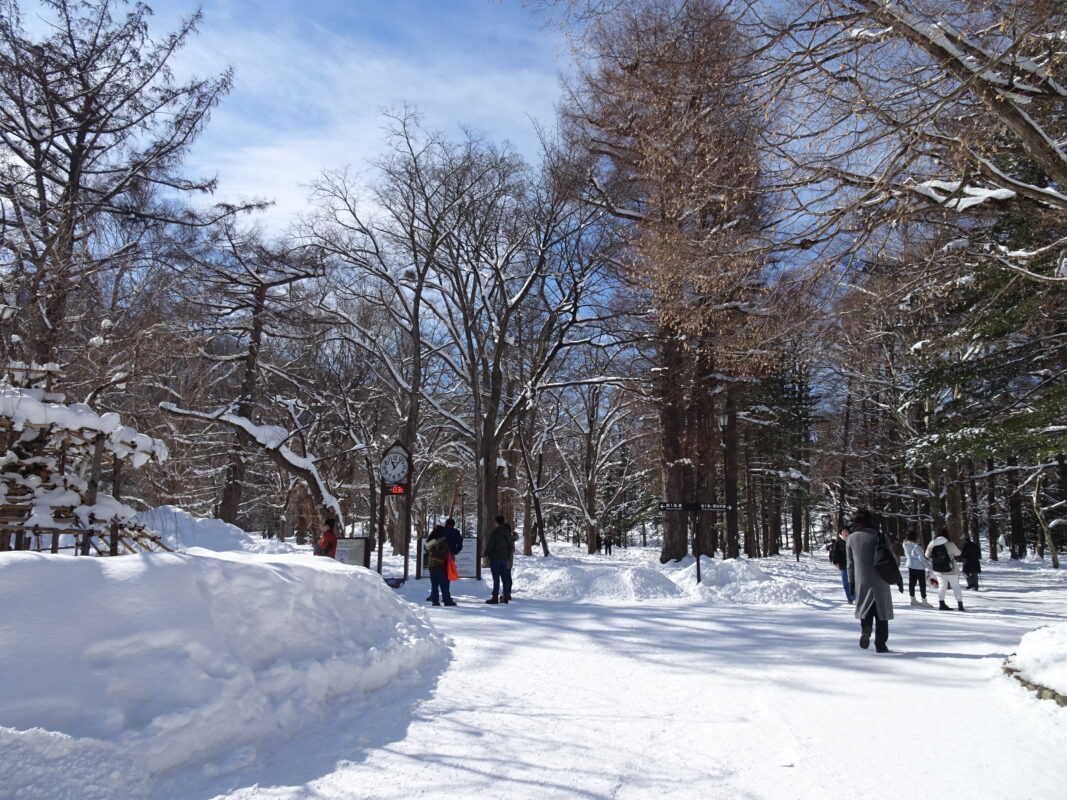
(871, 590)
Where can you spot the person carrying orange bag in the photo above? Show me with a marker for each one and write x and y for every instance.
(441, 546)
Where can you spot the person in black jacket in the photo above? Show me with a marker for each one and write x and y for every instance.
(499, 549)
(972, 563)
(839, 559)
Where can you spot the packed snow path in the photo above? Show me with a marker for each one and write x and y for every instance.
(552, 699)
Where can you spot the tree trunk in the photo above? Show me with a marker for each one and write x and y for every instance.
(991, 532)
(733, 544)
(1015, 511)
(676, 467)
(1046, 530)
(845, 444)
(957, 529)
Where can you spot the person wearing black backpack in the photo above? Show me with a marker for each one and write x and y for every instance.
(874, 600)
(942, 553)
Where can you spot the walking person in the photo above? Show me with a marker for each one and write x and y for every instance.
(327, 543)
(499, 549)
(943, 553)
(972, 562)
(874, 601)
(918, 565)
(839, 558)
(438, 549)
(608, 541)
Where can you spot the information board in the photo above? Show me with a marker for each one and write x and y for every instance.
(353, 551)
(467, 558)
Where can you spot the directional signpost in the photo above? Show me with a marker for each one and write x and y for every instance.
(695, 508)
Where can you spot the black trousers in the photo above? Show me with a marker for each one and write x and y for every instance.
(881, 628)
(917, 576)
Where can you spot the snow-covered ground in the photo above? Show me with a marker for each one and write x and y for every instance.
(254, 676)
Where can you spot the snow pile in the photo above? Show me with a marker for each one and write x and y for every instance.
(118, 670)
(737, 580)
(181, 530)
(1042, 657)
(572, 580)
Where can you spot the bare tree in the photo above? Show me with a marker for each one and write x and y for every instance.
(92, 125)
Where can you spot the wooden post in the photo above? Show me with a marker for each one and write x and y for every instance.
(116, 478)
(94, 487)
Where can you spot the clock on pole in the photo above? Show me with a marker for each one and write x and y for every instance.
(395, 465)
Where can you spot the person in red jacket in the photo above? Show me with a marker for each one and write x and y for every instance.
(327, 544)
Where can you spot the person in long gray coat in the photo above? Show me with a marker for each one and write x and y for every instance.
(874, 600)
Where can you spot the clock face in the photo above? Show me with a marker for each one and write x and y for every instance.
(394, 467)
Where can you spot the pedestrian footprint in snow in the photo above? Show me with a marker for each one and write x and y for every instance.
(874, 600)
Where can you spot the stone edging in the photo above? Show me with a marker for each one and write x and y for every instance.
(1043, 692)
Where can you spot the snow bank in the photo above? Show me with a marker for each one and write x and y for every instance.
(572, 580)
(737, 580)
(574, 576)
(1042, 657)
(181, 530)
(117, 670)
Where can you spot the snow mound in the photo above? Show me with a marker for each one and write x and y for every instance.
(1042, 657)
(117, 670)
(739, 581)
(181, 530)
(571, 580)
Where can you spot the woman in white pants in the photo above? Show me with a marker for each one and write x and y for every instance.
(942, 554)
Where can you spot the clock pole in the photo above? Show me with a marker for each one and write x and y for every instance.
(407, 518)
(394, 473)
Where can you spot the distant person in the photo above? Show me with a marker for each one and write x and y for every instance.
(454, 537)
(917, 565)
(608, 541)
(839, 558)
(972, 562)
(327, 543)
(943, 553)
(437, 551)
(499, 549)
(874, 600)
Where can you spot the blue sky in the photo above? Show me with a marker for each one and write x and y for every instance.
(312, 77)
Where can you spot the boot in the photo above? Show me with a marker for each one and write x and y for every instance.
(450, 602)
(960, 605)
(493, 600)
(865, 638)
(506, 598)
(915, 602)
(943, 606)
(434, 603)
(926, 603)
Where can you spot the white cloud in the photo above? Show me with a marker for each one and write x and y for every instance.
(308, 99)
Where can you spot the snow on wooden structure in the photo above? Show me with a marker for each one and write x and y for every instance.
(51, 458)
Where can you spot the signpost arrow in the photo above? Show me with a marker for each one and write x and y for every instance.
(675, 506)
